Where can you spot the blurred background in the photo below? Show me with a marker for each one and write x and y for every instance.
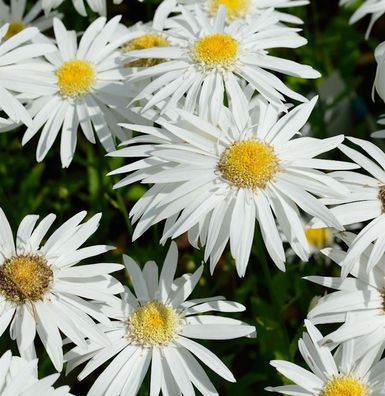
(276, 302)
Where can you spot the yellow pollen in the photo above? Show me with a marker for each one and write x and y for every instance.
(250, 164)
(144, 42)
(345, 386)
(153, 324)
(216, 51)
(319, 237)
(235, 8)
(25, 278)
(76, 78)
(13, 29)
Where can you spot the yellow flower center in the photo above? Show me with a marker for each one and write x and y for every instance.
(250, 164)
(153, 324)
(144, 42)
(76, 78)
(345, 386)
(216, 51)
(25, 278)
(319, 237)
(235, 8)
(13, 29)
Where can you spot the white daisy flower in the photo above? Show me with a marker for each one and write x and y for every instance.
(18, 377)
(80, 85)
(18, 19)
(155, 327)
(98, 6)
(366, 201)
(244, 10)
(360, 295)
(18, 65)
(340, 374)
(42, 290)
(214, 181)
(374, 8)
(212, 58)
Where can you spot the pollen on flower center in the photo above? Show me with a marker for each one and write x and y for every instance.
(25, 278)
(216, 51)
(75, 78)
(345, 386)
(235, 8)
(13, 29)
(318, 237)
(153, 324)
(250, 164)
(144, 42)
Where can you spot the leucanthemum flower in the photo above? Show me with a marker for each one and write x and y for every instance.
(214, 181)
(341, 374)
(80, 85)
(42, 290)
(212, 59)
(98, 6)
(18, 377)
(154, 327)
(361, 296)
(374, 8)
(366, 201)
(18, 65)
(18, 19)
(243, 10)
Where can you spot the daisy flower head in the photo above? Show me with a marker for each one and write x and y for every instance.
(97, 6)
(42, 287)
(18, 66)
(341, 374)
(82, 86)
(366, 202)
(155, 326)
(17, 18)
(214, 181)
(212, 58)
(373, 8)
(18, 377)
(359, 296)
(243, 10)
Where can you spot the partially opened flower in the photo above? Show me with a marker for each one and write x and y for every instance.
(42, 289)
(341, 374)
(214, 181)
(98, 6)
(154, 327)
(15, 14)
(212, 58)
(18, 68)
(82, 86)
(360, 295)
(18, 377)
(373, 8)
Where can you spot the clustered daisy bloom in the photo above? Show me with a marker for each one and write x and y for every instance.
(212, 58)
(214, 181)
(341, 374)
(42, 286)
(155, 327)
